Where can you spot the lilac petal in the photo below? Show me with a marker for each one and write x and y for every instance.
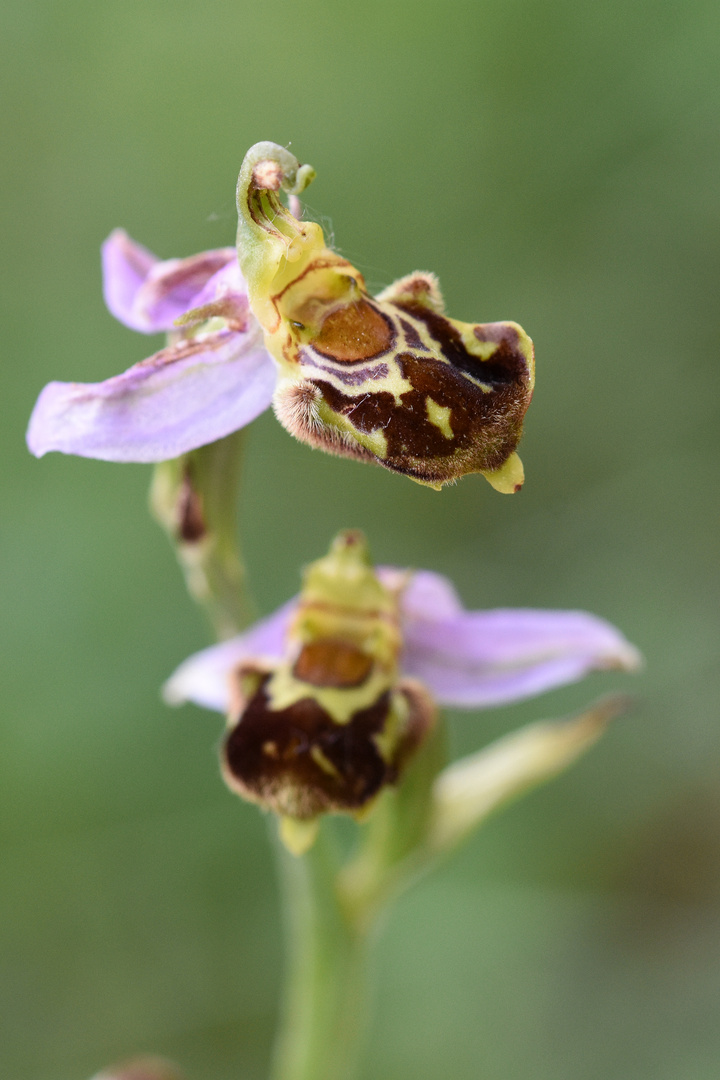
(224, 296)
(125, 267)
(185, 396)
(228, 281)
(478, 659)
(173, 287)
(426, 596)
(204, 677)
(149, 295)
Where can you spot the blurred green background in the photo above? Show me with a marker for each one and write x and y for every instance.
(556, 163)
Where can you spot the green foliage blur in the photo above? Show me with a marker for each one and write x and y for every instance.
(556, 163)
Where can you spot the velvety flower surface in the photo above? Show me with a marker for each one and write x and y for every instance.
(468, 659)
(213, 378)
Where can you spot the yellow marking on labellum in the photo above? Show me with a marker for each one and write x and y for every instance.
(323, 762)
(383, 376)
(387, 739)
(482, 349)
(375, 442)
(284, 690)
(439, 415)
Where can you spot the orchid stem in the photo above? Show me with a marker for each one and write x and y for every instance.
(323, 1015)
(194, 498)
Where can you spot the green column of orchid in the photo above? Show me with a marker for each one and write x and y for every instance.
(273, 245)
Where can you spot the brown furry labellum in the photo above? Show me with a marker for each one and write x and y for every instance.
(330, 723)
(300, 762)
(393, 381)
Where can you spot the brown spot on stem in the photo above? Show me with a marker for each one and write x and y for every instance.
(191, 521)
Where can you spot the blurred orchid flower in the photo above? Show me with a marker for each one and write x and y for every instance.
(329, 698)
(467, 659)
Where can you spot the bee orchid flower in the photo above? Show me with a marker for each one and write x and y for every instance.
(286, 321)
(328, 697)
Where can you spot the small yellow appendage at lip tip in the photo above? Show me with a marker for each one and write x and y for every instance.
(298, 836)
(439, 415)
(509, 478)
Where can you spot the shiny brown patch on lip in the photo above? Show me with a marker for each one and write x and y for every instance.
(355, 332)
(332, 663)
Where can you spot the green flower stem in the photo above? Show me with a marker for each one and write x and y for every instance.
(194, 498)
(324, 1010)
